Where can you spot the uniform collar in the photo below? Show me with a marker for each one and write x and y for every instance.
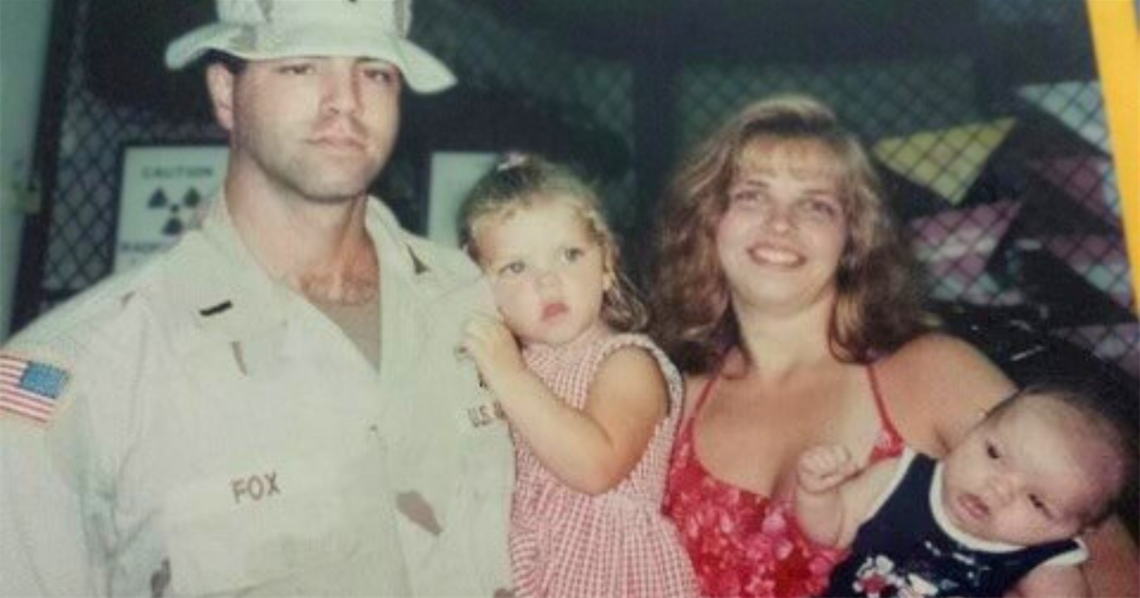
(392, 242)
(228, 293)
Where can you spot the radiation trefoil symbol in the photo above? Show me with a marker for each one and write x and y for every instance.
(176, 211)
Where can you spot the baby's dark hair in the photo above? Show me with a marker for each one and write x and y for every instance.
(522, 180)
(1109, 425)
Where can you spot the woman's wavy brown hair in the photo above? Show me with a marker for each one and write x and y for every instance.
(878, 306)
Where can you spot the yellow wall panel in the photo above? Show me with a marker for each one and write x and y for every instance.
(1116, 39)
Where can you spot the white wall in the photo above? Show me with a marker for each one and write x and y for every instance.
(24, 28)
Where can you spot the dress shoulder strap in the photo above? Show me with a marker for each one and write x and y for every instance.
(685, 431)
(888, 426)
(705, 392)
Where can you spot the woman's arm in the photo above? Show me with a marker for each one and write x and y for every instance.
(1052, 580)
(936, 388)
(1113, 568)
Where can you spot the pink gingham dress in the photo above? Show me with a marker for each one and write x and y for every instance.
(568, 544)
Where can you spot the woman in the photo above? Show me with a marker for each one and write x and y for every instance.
(784, 292)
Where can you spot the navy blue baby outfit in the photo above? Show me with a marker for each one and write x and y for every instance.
(903, 550)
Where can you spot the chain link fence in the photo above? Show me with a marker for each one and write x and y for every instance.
(985, 117)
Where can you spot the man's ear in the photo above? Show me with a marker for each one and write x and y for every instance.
(220, 83)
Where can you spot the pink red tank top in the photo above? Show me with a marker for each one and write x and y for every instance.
(745, 544)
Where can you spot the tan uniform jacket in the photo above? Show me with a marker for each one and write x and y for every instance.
(217, 434)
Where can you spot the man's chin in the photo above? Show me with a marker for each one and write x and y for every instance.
(331, 191)
(330, 185)
(332, 198)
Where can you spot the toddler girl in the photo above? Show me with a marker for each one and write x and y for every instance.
(592, 406)
(999, 511)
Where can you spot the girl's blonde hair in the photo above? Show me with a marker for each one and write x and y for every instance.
(878, 304)
(520, 181)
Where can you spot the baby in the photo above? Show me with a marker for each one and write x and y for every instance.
(999, 512)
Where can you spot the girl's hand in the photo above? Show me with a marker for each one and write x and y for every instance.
(824, 467)
(495, 351)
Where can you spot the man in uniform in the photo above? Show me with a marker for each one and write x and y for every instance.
(275, 405)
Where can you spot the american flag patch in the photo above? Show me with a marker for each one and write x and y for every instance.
(30, 388)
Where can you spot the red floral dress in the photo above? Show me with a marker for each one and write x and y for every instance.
(742, 543)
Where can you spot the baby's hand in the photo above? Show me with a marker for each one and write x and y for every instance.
(824, 467)
(493, 348)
